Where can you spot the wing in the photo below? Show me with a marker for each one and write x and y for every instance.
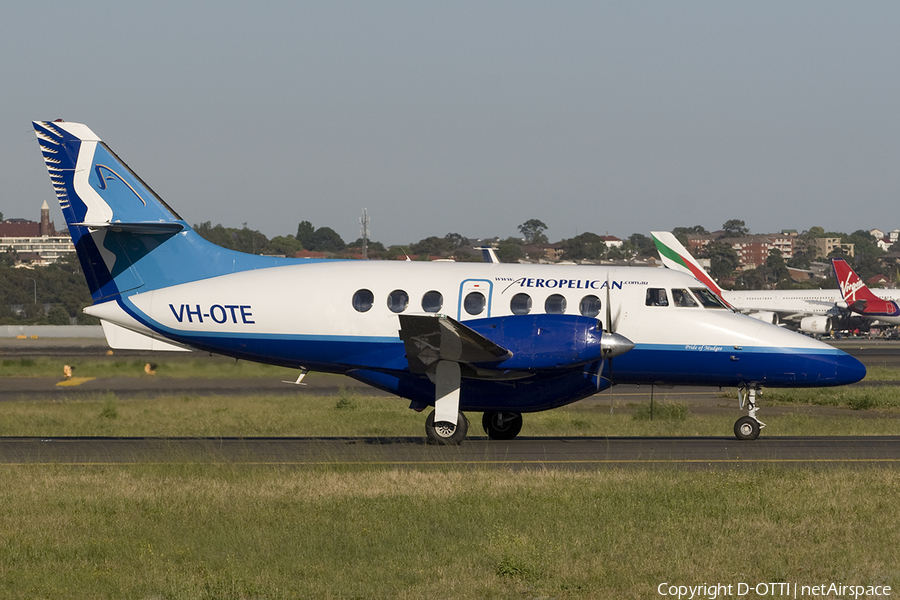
(429, 339)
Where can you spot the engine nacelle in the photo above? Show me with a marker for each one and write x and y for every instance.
(543, 341)
(765, 316)
(816, 325)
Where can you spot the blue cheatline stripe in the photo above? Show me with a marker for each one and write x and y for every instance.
(713, 348)
(139, 316)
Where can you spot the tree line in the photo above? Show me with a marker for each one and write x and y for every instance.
(57, 293)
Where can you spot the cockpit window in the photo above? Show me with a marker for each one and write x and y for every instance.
(683, 298)
(707, 298)
(657, 297)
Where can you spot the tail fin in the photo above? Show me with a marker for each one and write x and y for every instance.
(857, 294)
(126, 237)
(676, 257)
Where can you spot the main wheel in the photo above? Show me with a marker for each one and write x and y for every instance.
(446, 434)
(501, 425)
(746, 428)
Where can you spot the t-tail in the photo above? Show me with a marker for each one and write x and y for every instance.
(859, 298)
(676, 257)
(126, 237)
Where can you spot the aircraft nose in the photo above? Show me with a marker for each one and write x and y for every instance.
(848, 369)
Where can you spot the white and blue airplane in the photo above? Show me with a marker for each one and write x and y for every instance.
(502, 339)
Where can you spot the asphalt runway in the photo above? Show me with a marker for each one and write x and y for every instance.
(523, 452)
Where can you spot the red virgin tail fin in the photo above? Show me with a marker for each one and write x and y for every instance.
(857, 295)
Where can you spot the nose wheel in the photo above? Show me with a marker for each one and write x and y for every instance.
(747, 428)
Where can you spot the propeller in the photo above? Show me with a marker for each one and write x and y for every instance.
(612, 344)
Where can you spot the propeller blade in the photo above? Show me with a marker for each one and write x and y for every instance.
(600, 374)
(612, 344)
(609, 326)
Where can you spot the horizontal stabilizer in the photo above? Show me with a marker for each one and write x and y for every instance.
(120, 338)
(429, 339)
(147, 228)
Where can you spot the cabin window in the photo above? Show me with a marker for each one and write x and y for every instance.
(474, 303)
(555, 304)
(397, 301)
(707, 298)
(682, 298)
(520, 304)
(432, 302)
(363, 300)
(589, 306)
(657, 297)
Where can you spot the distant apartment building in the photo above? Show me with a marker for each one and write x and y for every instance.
(825, 246)
(699, 242)
(38, 251)
(35, 243)
(752, 250)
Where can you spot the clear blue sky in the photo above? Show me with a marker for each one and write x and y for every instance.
(470, 117)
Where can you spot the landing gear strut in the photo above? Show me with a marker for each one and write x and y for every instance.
(502, 425)
(747, 428)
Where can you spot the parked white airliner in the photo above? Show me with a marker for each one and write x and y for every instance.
(494, 338)
(810, 311)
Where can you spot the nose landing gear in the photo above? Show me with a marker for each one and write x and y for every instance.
(747, 428)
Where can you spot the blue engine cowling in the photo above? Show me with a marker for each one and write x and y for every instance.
(542, 341)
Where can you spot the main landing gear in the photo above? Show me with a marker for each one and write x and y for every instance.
(497, 426)
(445, 433)
(502, 425)
(747, 428)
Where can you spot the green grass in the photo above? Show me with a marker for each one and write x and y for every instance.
(349, 414)
(882, 373)
(188, 365)
(214, 532)
(882, 398)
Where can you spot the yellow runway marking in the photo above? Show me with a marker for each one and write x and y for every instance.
(75, 381)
